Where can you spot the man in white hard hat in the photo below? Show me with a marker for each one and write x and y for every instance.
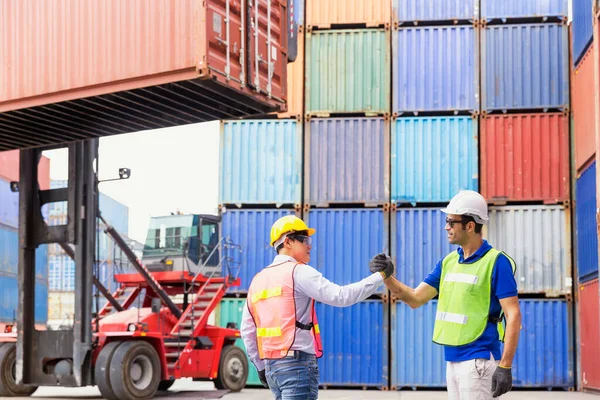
(476, 288)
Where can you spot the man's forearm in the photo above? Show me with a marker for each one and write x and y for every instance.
(403, 293)
(511, 339)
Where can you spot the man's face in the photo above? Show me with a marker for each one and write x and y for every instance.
(300, 247)
(455, 229)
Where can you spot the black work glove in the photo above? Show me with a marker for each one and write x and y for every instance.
(263, 378)
(382, 263)
(501, 381)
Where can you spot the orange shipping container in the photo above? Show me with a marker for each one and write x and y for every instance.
(295, 82)
(9, 168)
(123, 66)
(323, 14)
(584, 113)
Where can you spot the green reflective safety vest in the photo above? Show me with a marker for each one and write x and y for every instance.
(464, 299)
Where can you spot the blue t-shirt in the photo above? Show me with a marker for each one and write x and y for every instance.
(503, 286)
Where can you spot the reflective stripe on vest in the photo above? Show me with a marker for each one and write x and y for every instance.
(464, 299)
(272, 305)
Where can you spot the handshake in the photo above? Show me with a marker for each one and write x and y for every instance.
(382, 263)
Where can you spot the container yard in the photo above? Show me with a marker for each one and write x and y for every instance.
(362, 118)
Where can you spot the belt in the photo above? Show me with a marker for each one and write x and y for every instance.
(298, 355)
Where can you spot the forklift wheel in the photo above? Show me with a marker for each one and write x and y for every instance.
(102, 370)
(163, 386)
(233, 369)
(135, 371)
(8, 363)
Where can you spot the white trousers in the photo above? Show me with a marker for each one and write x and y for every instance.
(470, 380)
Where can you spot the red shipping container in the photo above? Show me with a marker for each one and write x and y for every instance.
(584, 112)
(9, 168)
(589, 327)
(525, 157)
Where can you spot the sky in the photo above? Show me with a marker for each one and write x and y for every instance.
(171, 169)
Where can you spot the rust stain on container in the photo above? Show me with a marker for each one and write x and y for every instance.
(584, 114)
(371, 13)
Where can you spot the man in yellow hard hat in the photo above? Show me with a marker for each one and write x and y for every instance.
(279, 323)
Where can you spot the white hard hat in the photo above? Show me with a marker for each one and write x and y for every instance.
(468, 202)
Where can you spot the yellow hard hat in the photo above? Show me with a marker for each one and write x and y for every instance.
(289, 223)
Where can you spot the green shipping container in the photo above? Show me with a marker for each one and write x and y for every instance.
(348, 71)
(230, 310)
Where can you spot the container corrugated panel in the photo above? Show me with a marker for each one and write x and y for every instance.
(346, 240)
(115, 213)
(9, 206)
(230, 310)
(544, 357)
(433, 158)
(261, 162)
(584, 112)
(525, 157)
(589, 322)
(539, 241)
(251, 230)
(61, 306)
(583, 18)
(493, 9)
(9, 255)
(9, 168)
(348, 71)
(442, 72)
(419, 241)
(9, 300)
(434, 10)
(347, 161)
(323, 14)
(525, 67)
(585, 225)
(355, 344)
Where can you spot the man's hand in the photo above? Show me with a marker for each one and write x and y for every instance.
(501, 381)
(382, 263)
(263, 378)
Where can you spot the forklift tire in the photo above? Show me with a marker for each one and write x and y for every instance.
(233, 369)
(8, 384)
(135, 371)
(102, 370)
(163, 386)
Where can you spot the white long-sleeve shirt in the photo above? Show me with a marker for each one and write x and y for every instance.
(309, 284)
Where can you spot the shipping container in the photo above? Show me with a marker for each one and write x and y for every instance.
(61, 308)
(582, 27)
(9, 299)
(419, 242)
(525, 67)
(261, 162)
(133, 66)
(442, 71)
(525, 157)
(355, 344)
(418, 11)
(9, 168)
(433, 158)
(584, 112)
(589, 322)
(585, 225)
(348, 71)
(538, 239)
(370, 13)
(9, 206)
(493, 9)
(9, 255)
(544, 357)
(115, 213)
(251, 230)
(230, 310)
(345, 242)
(295, 83)
(347, 161)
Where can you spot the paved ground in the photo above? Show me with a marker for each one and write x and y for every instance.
(186, 389)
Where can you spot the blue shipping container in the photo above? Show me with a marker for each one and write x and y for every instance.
(585, 220)
(261, 162)
(433, 158)
(9, 206)
(115, 213)
(355, 344)
(494, 9)
(347, 161)
(442, 71)
(583, 21)
(434, 10)
(544, 357)
(9, 300)
(346, 240)
(419, 241)
(525, 67)
(250, 229)
(9, 255)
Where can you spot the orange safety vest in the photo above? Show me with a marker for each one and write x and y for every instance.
(273, 307)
